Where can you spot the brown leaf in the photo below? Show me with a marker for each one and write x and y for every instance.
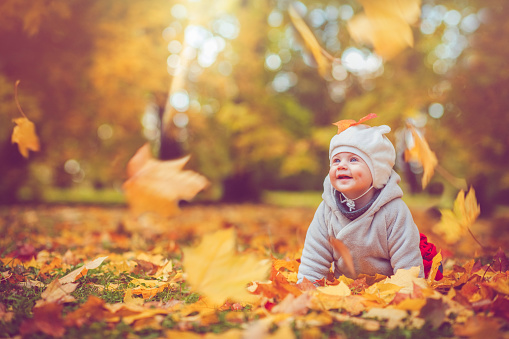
(434, 312)
(479, 327)
(157, 186)
(92, 310)
(24, 135)
(81, 271)
(57, 293)
(293, 305)
(341, 248)
(47, 319)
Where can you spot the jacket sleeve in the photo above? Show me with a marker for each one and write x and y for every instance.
(403, 238)
(317, 254)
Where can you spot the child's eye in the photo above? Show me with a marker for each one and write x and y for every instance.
(353, 159)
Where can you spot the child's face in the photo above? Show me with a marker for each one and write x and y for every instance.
(349, 174)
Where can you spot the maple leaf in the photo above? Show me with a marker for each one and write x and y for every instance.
(24, 135)
(455, 223)
(344, 124)
(215, 270)
(321, 57)
(421, 153)
(157, 186)
(406, 279)
(386, 25)
(24, 132)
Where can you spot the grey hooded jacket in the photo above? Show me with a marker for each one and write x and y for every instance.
(382, 240)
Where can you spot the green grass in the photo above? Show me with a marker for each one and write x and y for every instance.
(293, 199)
(83, 195)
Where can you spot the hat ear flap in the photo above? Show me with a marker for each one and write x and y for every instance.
(383, 129)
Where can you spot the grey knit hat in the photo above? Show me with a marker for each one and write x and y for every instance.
(371, 145)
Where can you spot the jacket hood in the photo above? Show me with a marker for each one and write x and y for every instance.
(388, 193)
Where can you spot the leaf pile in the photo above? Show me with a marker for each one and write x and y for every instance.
(221, 271)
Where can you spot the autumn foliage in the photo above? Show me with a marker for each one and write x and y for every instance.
(231, 269)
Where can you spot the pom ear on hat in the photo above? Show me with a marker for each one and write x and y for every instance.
(371, 143)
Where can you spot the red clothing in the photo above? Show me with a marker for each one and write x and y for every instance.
(428, 252)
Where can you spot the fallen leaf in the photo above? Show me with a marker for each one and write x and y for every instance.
(421, 153)
(25, 136)
(47, 319)
(215, 270)
(157, 186)
(434, 312)
(394, 317)
(57, 292)
(437, 261)
(293, 305)
(385, 24)
(406, 279)
(341, 290)
(81, 271)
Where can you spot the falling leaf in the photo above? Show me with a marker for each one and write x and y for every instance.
(385, 24)
(455, 223)
(341, 248)
(81, 271)
(25, 136)
(157, 186)
(321, 57)
(421, 153)
(344, 124)
(215, 270)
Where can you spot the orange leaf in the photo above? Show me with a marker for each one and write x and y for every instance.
(24, 135)
(340, 247)
(421, 153)
(344, 124)
(320, 55)
(157, 186)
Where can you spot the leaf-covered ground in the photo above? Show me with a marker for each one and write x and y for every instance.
(97, 272)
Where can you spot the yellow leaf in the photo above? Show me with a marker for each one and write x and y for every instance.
(80, 272)
(157, 186)
(340, 289)
(310, 40)
(24, 135)
(421, 153)
(406, 279)
(215, 270)
(455, 223)
(437, 260)
(385, 25)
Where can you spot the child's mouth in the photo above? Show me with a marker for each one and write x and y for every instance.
(341, 177)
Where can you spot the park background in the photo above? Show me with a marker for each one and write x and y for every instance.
(236, 86)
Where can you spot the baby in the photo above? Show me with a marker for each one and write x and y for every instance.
(362, 207)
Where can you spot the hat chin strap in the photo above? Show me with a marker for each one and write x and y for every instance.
(350, 203)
